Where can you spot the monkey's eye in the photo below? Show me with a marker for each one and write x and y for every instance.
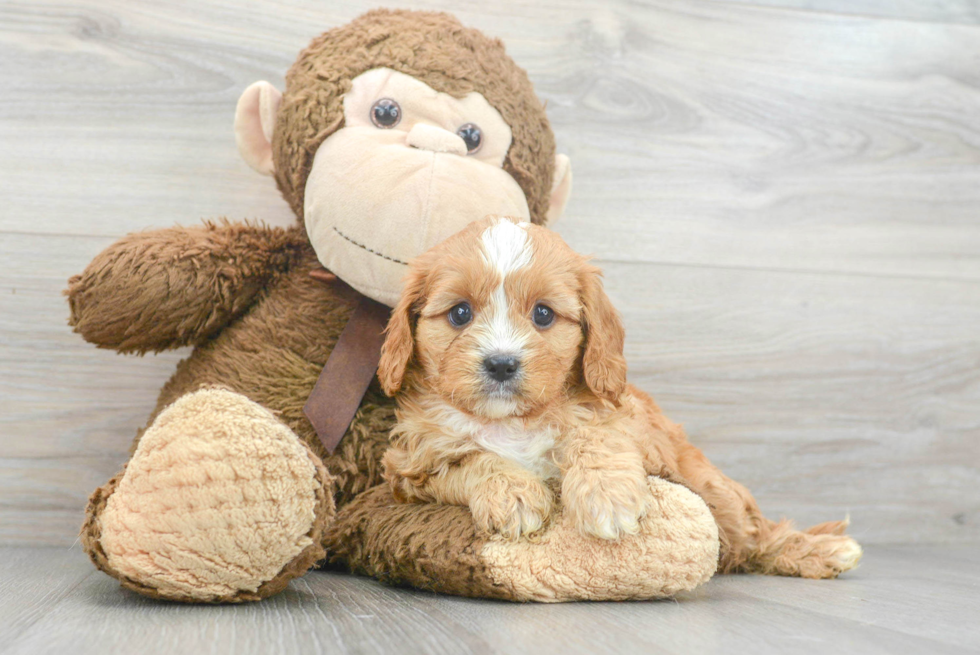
(472, 135)
(543, 316)
(386, 113)
(460, 314)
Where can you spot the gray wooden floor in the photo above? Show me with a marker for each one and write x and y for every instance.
(785, 197)
(902, 599)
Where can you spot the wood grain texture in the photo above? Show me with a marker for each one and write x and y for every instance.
(938, 11)
(785, 198)
(899, 601)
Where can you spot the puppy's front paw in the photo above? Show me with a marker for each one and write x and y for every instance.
(606, 504)
(511, 507)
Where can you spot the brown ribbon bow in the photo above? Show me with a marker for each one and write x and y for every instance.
(348, 371)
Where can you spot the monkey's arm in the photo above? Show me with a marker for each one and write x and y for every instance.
(162, 289)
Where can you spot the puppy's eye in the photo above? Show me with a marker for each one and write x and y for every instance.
(472, 135)
(460, 314)
(543, 316)
(386, 113)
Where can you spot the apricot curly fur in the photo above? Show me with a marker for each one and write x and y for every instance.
(571, 415)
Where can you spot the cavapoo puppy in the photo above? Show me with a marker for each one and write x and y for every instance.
(507, 357)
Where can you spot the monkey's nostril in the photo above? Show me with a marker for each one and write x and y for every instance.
(501, 367)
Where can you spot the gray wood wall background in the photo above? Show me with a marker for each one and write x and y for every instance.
(785, 196)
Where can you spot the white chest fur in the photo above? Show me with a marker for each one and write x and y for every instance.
(532, 449)
(510, 438)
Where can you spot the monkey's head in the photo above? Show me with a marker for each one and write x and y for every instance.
(394, 132)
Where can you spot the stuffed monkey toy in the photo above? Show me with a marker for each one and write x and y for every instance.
(393, 132)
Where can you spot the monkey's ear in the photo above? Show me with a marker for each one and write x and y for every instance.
(561, 188)
(255, 118)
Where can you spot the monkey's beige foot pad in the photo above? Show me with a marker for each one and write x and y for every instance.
(221, 502)
(437, 547)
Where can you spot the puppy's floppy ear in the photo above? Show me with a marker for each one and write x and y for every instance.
(603, 364)
(399, 343)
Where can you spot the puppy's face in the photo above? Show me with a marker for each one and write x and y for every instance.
(500, 319)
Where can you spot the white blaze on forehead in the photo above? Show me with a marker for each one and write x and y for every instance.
(506, 248)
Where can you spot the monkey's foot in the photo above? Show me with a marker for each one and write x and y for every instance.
(221, 502)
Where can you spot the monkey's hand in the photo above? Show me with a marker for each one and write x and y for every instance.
(162, 289)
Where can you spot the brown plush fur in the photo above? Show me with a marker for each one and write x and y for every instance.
(432, 47)
(242, 294)
(196, 279)
(438, 545)
(272, 355)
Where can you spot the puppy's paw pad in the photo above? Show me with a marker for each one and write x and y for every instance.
(831, 555)
(846, 555)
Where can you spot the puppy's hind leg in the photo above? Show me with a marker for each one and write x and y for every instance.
(821, 551)
(752, 543)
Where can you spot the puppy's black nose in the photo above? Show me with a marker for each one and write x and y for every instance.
(501, 367)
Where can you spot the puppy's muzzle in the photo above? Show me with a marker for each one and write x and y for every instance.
(501, 367)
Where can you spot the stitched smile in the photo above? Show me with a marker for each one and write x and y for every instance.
(373, 252)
